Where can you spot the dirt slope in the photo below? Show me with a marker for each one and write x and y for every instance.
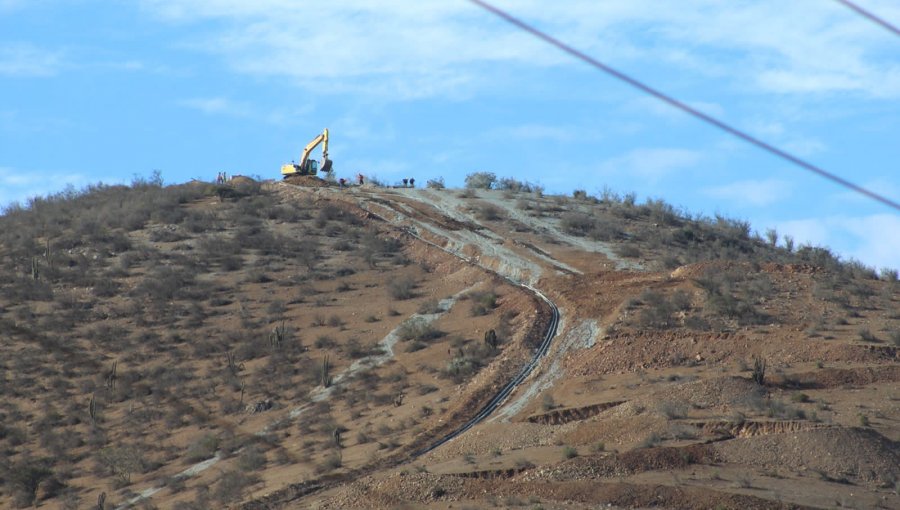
(296, 345)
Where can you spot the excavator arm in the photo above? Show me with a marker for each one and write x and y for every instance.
(306, 167)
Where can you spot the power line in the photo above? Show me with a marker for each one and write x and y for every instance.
(870, 16)
(683, 107)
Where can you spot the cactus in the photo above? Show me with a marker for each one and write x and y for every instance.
(48, 255)
(111, 376)
(336, 437)
(232, 364)
(326, 379)
(92, 409)
(276, 337)
(759, 370)
(101, 501)
(490, 338)
(241, 403)
(35, 269)
(398, 399)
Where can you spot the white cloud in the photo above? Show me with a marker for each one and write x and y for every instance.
(872, 239)
(411, 49)
(756, 193)
(652, 164)
(224, 106)
(19, 185)
(26, 60)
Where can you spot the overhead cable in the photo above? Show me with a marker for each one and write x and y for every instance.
(684, 107)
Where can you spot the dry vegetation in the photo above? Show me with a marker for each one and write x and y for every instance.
(146, 328)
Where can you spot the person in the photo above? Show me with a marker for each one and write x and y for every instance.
(359, 178)
(405, 181)
(412, 182)
(341, 182)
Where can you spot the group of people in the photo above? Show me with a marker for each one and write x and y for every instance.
(221, 178)
(360, 180)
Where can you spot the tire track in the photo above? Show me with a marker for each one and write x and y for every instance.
(305, 488)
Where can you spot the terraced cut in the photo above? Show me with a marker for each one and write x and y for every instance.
(562, 416)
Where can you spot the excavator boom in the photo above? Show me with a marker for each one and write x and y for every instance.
(309, 166)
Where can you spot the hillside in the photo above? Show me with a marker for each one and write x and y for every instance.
(295, 345)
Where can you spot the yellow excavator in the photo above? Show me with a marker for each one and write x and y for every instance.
(308, 166)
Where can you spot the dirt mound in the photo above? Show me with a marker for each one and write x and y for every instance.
(854, 454)
(239, 180)
(615, 465)
(838, 377)
(309, 181)
(753, 428)
(721, 392)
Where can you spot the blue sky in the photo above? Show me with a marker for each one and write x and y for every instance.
(100, 91)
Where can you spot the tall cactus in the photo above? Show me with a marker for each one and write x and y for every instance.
(326, 378)
(35, 269)
(111, 376)
(92, 409)
(276, 337)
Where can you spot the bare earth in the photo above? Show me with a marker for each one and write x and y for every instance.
(316, 370)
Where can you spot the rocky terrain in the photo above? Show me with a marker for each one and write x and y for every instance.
(296, 345)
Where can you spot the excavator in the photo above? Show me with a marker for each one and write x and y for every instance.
(309, 166)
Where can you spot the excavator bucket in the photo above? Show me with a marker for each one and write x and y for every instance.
(326, 166)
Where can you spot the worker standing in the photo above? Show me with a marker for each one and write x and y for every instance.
(359, 178)
(412, 182)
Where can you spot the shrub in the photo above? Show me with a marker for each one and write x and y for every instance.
(429, 307)
(203, 448)
(232, 485)
(510, 184)
(488, 212)
(577, 224)
(25, 477)
(483, 303)
(628, 251)
(480, 180)
(330, 463)
(867, 336)
(402, 288)
(569, 452)
(251, 459)
(418, 329)
(436, 183)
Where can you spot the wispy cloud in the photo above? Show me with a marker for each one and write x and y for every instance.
(652, 164)
(412, 49)
(756, 193)
(27, 60)
(17, 185)
(221, 105)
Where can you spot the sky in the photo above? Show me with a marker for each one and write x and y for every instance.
(101, 91)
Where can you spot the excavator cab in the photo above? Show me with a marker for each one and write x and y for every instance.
(307, 165)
